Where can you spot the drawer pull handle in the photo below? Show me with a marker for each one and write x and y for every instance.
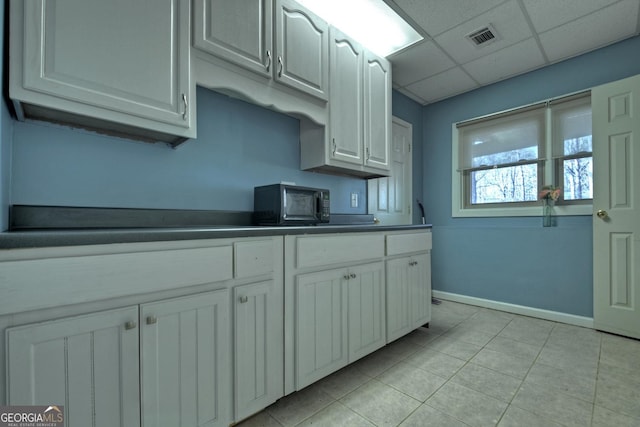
(244, 299)
(151, 320)
(130, 325)
(186, 107)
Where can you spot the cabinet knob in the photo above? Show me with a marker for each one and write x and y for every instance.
(352, 275)
(345, 277)
(130, 325)
(244, 299)
(152, 320)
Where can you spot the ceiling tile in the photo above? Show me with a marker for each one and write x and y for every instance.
(443, 85)
(437, 16)
(419, 62)
(547, 14)
(599, 29)
(508, 21)
(508, 62)
(412, 96)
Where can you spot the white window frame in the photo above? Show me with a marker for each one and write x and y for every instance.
(458, 209)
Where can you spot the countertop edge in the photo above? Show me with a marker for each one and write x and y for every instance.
(57, 238)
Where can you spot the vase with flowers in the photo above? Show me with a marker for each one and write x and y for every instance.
(549, 195)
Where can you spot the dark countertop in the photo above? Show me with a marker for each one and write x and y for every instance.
(33, 226)
(66, 237)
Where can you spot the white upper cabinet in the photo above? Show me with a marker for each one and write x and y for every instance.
(377, 115)
(346, 110)
(358, 136)
(238, 31)
(120, 66)
(302, 49)
(284, 43)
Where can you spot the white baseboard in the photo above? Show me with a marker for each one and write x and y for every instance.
(555, 316)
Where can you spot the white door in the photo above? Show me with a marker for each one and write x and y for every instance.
(88, 364)
(390, 198)
(184, 361)
(616, 204)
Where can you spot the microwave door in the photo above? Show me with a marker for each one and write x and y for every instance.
(298, 206)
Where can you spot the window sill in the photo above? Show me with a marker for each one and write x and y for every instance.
(558, 210)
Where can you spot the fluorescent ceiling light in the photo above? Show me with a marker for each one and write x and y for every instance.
(371, 23)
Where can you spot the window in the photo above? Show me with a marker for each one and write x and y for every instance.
(572, 149)
(501, 161)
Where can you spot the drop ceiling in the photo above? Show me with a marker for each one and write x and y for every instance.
(529, 34)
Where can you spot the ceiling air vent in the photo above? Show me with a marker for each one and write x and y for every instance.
(483, 36)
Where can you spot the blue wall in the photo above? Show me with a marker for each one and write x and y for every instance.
(239, 146)
(515, 260)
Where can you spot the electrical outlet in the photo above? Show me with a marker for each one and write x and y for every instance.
(354, 200)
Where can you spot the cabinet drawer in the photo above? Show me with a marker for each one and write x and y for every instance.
(253, 258)
(407, 243)
(317, 251)
(41, 283)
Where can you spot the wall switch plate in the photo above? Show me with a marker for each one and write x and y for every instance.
(354, 200)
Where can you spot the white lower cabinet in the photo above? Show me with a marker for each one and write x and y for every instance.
(87, 363)
(408, 294)
(366, 295)
(321, 325)
(184, 361)
(258, 344)
(340, 317)
(158, 364)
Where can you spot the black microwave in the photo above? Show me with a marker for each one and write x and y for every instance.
(287, 204)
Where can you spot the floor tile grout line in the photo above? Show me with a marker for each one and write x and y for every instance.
(595, 389)
(527, 374)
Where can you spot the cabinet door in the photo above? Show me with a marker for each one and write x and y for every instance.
(238, 31)
(88, 363)
(408, 294)
(258, 335)
(302, 49)
(420, 274)
(398, 298)
(115, 60)
(185, 361)
(346, 112)
(377, 116)
(321, 325)
(366, 309)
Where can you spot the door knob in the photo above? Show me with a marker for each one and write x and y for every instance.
(602, 214)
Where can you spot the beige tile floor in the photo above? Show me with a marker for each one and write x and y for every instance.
(477, 367)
